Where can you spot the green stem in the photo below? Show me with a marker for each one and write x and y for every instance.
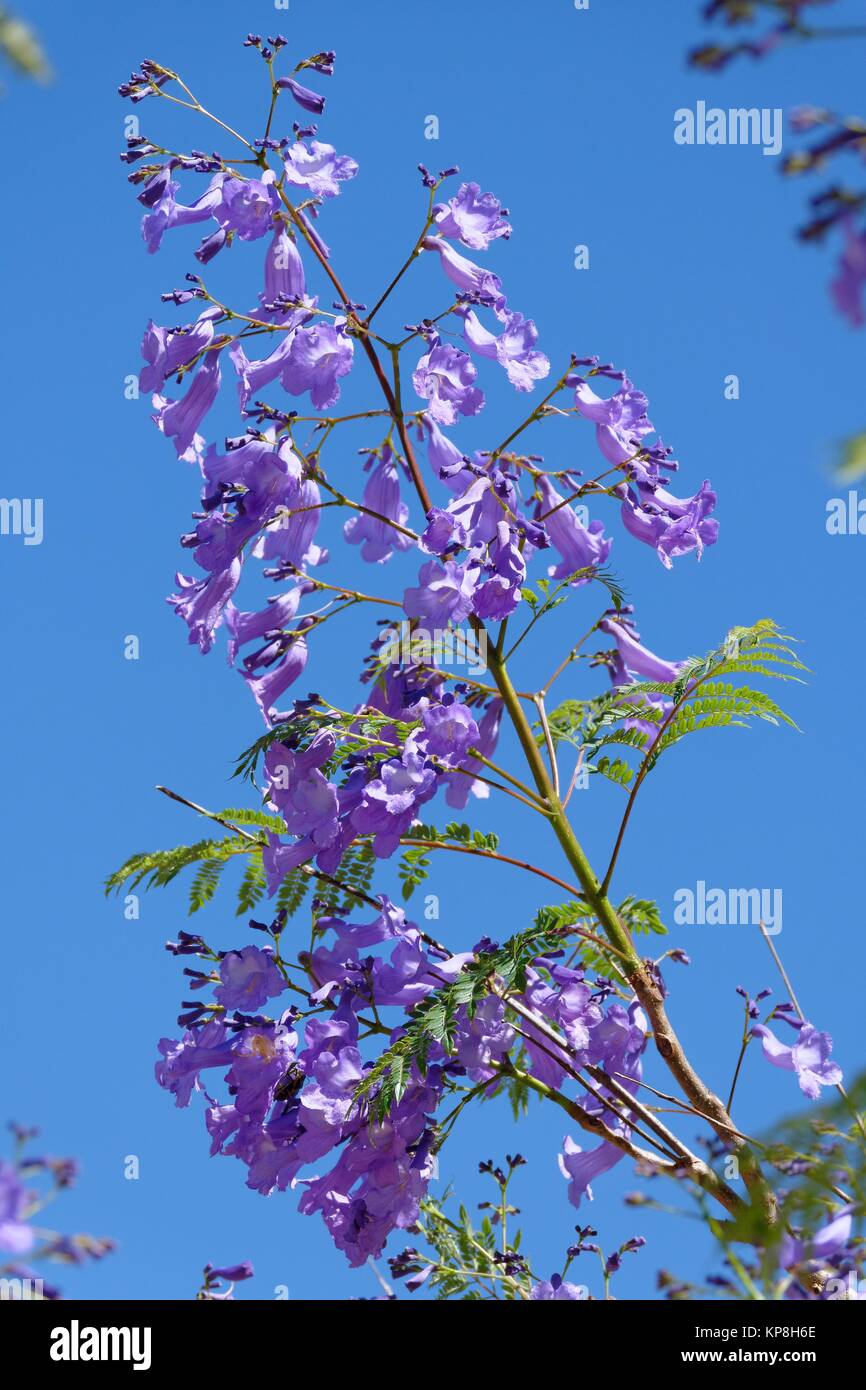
(640, 977)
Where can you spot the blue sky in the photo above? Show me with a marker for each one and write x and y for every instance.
(694, 274)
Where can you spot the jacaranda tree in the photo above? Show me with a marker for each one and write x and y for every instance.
(335, 1054)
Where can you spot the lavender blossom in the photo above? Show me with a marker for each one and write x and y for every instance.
(445, 377)
(379, 539)
(514, 348)
(467, 276)
(317, 169)
(808, 1058)
(473, 217)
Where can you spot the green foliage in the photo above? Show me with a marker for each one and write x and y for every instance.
(160, 867)
(253, 886)
(549, 597)
(464, 1256)
(820, 1154)
(641, 917)
(246, 816)
(204, 884)
(21, 48)
(853, 461)
(615, 770)
(292, 892)
(357, 868)
(435, 1017)
(698, 699)
(565, 722)
(415, 864)
(414, 869)
(357, 733)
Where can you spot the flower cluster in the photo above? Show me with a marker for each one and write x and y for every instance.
(793, 16)
(291, 1080)
(303, 1104)
(28, 1182)
(212, 1291)
(263, 496)
(837, 207)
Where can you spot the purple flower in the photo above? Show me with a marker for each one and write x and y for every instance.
(450, 729)
(581, 1169)
(498, 597)
(479, 505)
(277, 615)
(513, 349)
(318, 169)
(444, 457)
(290, 538)
(620, 422)
(671, 525)
(301, 792)
(179, 420)
(459, 785)
(847, 288)
(284, 271)
(444, 377)
(483, 1039)
(634, 662)
(165, 212)
(473, 217)
(378, 539)
(267, 689)
(318, 357)
(235, 1273)
(245, 490)
(211, 245)
(444, 593)
(443, 532)
(467, 276)
(581, 547)
(166, 350)
(556, 1287)
(567, 1003)
(808, 1058)
(253, 375)
(201, 602)
(381, 1175)
(637, 661)
(389, 925)
(279, 859)
(830, 1240)
(249, 978)
(247, 206)
(209, 1046)
(310, 101)
(392, 798)
(260, 1058)
(15, 1234)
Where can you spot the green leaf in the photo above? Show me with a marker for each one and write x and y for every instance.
(204, 884)
(433, 1020)
(253, 886)
(160, 867)
(852, 464)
